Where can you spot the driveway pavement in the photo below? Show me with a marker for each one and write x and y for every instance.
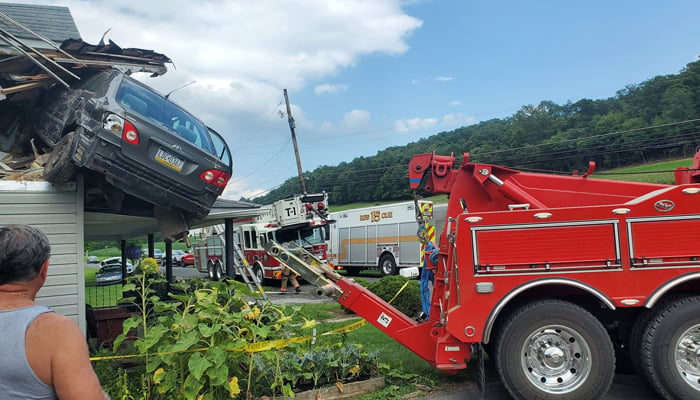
(624, 387)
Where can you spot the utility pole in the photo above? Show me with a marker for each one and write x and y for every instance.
(294, 141)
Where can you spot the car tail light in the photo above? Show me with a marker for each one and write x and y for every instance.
(215, 177)
(121, 127)
(130, 134)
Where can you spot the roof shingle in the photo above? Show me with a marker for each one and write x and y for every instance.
(53, 22)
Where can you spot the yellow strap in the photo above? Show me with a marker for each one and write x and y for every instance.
(399, 292)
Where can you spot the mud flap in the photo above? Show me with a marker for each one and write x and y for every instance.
(478, 348)
(173, 224)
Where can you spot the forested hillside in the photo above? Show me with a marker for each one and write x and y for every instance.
(656, 119)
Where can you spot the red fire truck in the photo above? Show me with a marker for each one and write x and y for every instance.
(554, 277)
(302, 219)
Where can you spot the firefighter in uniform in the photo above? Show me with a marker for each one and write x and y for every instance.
(289, 276)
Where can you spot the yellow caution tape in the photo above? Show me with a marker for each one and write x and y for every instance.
(249, 348)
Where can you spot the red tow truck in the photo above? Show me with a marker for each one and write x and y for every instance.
(554, 277)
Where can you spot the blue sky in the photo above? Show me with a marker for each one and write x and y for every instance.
(363, 75)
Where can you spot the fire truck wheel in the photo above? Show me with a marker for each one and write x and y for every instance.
(671, 349)
(387, 265)
(553, 349)
(259, 274)
(211, 272)
(219, 273)
(59, 167)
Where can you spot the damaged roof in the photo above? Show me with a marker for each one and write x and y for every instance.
(53, 22)
(41, 45)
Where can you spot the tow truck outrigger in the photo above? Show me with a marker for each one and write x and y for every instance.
(550, 275)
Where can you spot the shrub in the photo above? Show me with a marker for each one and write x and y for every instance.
(408, 301)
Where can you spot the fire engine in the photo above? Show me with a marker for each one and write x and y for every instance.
(381, 237)
(554, 277)
(301, 218)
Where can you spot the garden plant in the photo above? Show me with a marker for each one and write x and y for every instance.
(211, 340)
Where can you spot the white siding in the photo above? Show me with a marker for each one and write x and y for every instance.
(59, 213)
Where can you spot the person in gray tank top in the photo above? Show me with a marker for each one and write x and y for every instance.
(45, 355)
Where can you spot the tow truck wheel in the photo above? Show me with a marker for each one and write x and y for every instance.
(553, 349)
(59, 167)
(670, 349)
(387, 265)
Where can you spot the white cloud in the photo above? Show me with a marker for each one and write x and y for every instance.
(444, 78)
(330, 89)
(248, 51)
(243, 53)
(454, 103)
(356, 120)
(408, 125)
(457, 120)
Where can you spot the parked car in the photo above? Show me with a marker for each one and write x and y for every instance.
(177, 256)
(118, 262)
(140, 142)
(187, 259)
(93, 260)
(159, 255)
(109, 274)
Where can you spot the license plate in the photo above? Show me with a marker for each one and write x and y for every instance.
(169, 159)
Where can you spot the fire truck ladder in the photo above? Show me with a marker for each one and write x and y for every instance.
(242, 267)
(305, 264)
(246, 272)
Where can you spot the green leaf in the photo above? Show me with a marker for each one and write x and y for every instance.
(197, 365)
(218, 375)
(205, 330)
(192, 387)
(128, 287)
(287, 390)
(217, 355)
(183, 298)
(186, 341)
(154, 334)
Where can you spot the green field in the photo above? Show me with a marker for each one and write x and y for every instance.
(661, 172)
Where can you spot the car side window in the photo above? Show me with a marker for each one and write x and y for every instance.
(221, 150)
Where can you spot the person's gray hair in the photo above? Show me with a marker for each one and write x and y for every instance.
(23, 249)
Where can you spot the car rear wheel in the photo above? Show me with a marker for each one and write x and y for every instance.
(59, 167)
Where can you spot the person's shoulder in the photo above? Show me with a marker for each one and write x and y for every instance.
(55, 322)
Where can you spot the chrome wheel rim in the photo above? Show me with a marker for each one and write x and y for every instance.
(687, 356)
(556, 359)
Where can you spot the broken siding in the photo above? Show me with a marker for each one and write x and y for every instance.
(57, 212)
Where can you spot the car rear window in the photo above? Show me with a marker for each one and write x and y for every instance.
(161, 111)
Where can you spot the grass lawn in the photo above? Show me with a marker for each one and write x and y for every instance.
(100, 296)
(402, 362)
